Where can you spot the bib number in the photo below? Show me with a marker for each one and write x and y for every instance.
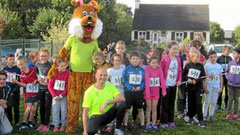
(135, 79)
(116, 80)
(171, 76)
(59, 85)
(215, 79)
(194, 73)
(234, 69)
(10, 76)
(32, 89)
(154, 82)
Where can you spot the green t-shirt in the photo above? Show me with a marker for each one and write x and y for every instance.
(81, 54)
(94, 98)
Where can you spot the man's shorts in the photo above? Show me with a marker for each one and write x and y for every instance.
(134, 98)
(31, 99)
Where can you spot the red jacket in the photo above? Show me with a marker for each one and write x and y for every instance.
(55, 91)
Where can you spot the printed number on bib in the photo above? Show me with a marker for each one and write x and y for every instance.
(135, 79)
(194, 73)
(171, 76)
(215, 79)
(116, 80)
(234, 69)
(32, 89)
(154, 82)
(59, 85)
(10, 76)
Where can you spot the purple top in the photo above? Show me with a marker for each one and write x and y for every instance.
(233, 73)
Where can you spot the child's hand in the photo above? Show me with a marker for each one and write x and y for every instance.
(41, 81)
(193, 82)
(13, 80)
(220, 91)
(164, 94)
(206, 91)
(189, 81)
(121, 86)
(137, 89)
(58, 98)
(211, 76)
(179, 83)
(133, 89)
(34, 82)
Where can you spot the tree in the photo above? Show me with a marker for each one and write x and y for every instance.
(216, 33)
(236, 34)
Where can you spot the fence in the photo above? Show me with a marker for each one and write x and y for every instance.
(24, 46)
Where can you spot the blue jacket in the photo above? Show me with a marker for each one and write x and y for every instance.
(133, 77)
(14, 69)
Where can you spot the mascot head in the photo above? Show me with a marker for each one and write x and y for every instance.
(85, 23)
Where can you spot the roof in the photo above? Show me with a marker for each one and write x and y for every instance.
(171, 17)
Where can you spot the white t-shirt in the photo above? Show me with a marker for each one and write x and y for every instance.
(115, 77)
(214, 69)
(172, 73)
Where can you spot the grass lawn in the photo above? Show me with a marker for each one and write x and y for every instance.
(219, 127)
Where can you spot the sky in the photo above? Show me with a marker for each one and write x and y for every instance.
(224, 12)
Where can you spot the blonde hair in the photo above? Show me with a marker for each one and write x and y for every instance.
(193, 53)
(182, 46)
(97, 55)
(200, 35)
(226, 48)
(44, 51)
(121, 43)
(33, 54)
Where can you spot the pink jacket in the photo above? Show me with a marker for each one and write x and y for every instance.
(165, 62)
(153, 73)
(62, 77)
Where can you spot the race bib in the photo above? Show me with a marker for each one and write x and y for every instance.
(154, 82)
(224, 66)
(59, 85)
(10, 76)
(215, 79)
(234, 69)
(194, 73)
(32, 89)
(116, 80)
(135, 79)
(171, 76)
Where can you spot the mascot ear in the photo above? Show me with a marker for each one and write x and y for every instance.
(95, 5)
(77, 2)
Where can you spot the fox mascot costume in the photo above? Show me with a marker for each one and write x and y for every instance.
(84, 29)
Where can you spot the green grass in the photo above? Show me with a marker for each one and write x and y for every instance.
(219, 127)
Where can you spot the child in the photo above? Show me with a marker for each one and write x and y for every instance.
(29, 82)
(224, 60)
(214, 85)
(121, 49)
(133, 82)
(171, 66)
(13, 72)
(58, 87)
(232, 74)
(42, 68)
(100, 61)
(115, 78)
(184, 49)
(193, 73)
(33, 56)
(196, 45)
(154, 79)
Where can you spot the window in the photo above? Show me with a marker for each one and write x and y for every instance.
(204, 35)
(142, 35)
(148, 35)
(155, 37)
(135, 34)
(191, 35)
(185, 35)
(173, 36)
(179, 36)
(163, 33)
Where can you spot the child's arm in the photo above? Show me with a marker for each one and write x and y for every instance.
(220, 91)
(50, 87)
(143, 82)
(147, 81)
(18, 83)
(163, 82)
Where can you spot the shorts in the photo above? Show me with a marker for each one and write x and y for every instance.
(31, 99)
(151, 98)
(134, 98)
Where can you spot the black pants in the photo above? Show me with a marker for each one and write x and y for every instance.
(168, 105)
(195, 102)
(181, 101)
(219, 101)
(96, 121)
(45, 106)
(15, 106)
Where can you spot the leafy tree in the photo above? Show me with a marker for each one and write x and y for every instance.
(216, 33)
(236, 34)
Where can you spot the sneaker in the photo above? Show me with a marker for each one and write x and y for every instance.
(62, 128)
(186, 118)
(235, 117)
(149, 127)
(155, 127)
(165, 126)
(30, 125)
(172, 125)
(205, 118)
(118, 132)
(190, 122)
(212, 118)
(218, 108)
(40, 127)
(98, 133)
(45, 129)
(195, 120)
(180, 116)
(143, 128)
(109, 128)
(23, 127)
(201, 124)
(229, 117)
(55, 129)
(134, 123)
(158, 122)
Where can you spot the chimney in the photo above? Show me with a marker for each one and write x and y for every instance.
(137, 4)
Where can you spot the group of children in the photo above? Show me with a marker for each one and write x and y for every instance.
(149, 86)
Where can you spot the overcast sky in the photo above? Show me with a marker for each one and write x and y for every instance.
(225, 12)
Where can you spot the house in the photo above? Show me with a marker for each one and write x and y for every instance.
(228, 36)
(163, 23)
